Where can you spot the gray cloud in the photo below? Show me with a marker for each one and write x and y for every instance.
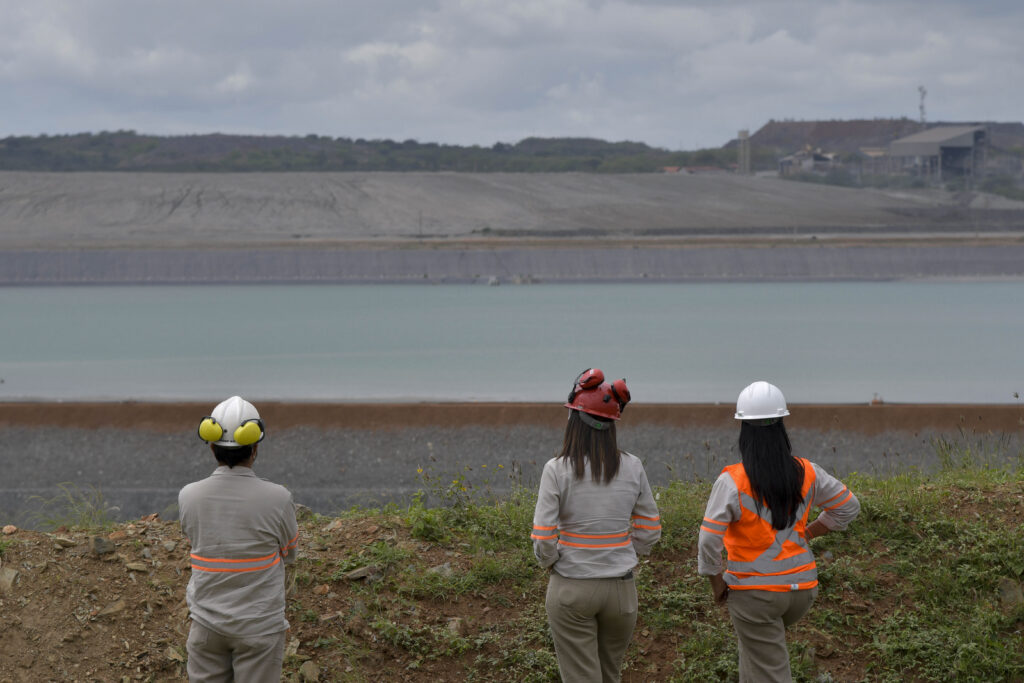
(478, 71)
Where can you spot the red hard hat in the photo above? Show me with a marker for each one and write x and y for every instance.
(592, 395)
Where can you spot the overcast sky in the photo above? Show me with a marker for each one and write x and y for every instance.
(679, 75)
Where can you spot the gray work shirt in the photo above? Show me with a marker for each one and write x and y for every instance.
(243, 531)
(592, 530)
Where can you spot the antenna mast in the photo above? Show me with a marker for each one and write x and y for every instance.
(922, 91)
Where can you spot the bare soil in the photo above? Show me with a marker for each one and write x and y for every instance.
(170, 416)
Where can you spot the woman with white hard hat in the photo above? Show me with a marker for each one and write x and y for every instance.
(595, 514)
(758, 513)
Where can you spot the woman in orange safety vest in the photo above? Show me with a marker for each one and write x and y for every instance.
(758, 512)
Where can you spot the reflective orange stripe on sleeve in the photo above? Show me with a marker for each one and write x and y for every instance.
(714, 527)
(652, 527)
(824, 503)
(543, 537)
(291, 545)
(844, 501)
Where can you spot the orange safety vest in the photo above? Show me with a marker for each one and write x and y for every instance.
(762, 557)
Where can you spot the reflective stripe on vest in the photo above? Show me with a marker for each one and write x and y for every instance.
(761, 557)
(217, 564)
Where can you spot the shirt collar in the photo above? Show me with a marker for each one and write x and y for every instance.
(236, 471)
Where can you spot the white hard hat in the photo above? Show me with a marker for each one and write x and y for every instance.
(233, 423)
(760, 401)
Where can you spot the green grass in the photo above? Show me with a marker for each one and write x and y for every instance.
(910, 592)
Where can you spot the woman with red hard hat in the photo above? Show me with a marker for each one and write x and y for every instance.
(595, 515)
(758, 513)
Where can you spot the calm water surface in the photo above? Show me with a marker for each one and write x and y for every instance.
(822, 342)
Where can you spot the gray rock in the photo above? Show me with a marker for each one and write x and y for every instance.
(362, 573)
(7, 578)
(1010, 595)
(113, 608)
(444, 570)
(457, 625)
(100, 546)
(309, 672)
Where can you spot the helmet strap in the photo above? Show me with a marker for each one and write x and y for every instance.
(593, 421)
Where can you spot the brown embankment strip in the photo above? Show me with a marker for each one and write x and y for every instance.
(174, 416)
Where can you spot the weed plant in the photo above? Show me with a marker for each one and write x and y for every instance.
(75, 507)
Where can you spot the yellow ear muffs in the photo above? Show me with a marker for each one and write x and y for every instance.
(249, 432)
(210, 430)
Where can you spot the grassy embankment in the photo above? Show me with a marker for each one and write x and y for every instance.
(920, 588)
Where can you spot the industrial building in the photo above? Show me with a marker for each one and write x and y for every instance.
(941, 153)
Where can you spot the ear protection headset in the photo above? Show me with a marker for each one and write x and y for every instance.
(588, 379)
(248, 433)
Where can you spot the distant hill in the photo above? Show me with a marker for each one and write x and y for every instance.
(130, 151)
(127, 150)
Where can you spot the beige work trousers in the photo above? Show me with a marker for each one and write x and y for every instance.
(215, 658)
(760, 619)
(591, 623)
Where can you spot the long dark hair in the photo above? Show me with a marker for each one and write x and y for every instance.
(582, 444)
(776, 477)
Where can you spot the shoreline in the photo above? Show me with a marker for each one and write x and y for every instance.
(809, 260)
(172, 416)
(134, 457)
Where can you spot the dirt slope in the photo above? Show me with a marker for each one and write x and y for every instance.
(50, 210)
(109, 606)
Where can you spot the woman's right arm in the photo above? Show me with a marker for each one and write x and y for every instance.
(545, 518)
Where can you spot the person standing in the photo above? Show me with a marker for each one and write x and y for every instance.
(243, 531)
(758, 511)
(595, 514)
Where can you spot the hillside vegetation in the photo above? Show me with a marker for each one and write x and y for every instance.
(129, 151)
(925, 586)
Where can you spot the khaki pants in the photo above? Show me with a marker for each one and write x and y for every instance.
(591, 623)
(213, 658)
(760, 619)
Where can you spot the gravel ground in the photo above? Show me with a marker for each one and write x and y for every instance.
(330, 470)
